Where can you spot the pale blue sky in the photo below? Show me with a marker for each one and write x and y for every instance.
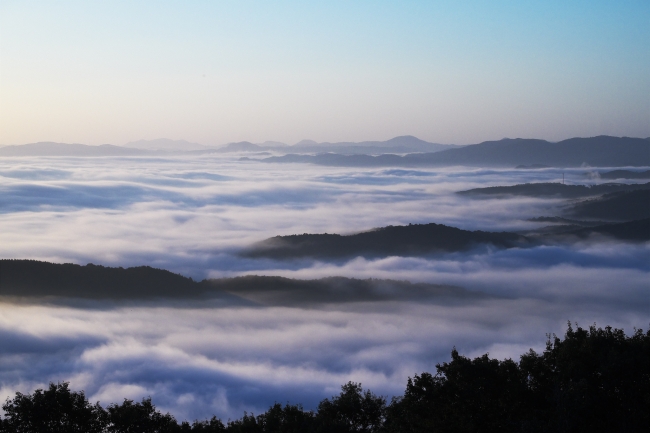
(215, 72)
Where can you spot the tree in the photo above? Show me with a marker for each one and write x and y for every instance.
(130, 417)
(594, 380)
(214, 425)
(465, 395)
(352, 411)
(54, 410)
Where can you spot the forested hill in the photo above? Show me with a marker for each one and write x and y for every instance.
(638, 230)
(35, 279)
(411, 240)
(548, 189)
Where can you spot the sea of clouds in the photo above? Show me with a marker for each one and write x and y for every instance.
(193, 214)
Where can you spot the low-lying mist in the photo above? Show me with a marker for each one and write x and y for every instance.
(300, 341)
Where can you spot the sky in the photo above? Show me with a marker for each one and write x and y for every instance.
(218, 72)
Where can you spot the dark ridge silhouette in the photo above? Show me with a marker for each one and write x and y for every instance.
(601, 151)
(618, 206)
(560, 220)
(638, 231)
(631, 231)
(558, 190)
(286, 291)
(625, 174)
(340, 160)
(401, 145)
(35, 279)
(242, 146)
(165, 144)
(531, 167)
(411, 240)
(65, 149)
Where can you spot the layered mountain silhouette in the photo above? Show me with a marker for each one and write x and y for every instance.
(400, 145)
(165, 144)
(554, 189)
(66, 149)
(601, 151)
(411, 240)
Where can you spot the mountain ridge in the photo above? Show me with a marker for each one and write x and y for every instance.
(600, 151)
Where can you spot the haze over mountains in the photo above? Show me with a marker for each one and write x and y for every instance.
(411, 240)
(166, 144)
(68, 150)
(402, 145)
(602, 151)
(26, 279)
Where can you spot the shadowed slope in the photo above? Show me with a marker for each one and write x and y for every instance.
(618, 206)
(638, 230)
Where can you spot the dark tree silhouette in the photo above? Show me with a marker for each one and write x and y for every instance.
(130, 417)
(54, 410)
(352, 411)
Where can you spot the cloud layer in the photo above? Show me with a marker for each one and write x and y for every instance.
(192, 215)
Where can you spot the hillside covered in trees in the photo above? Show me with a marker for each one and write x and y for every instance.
(411, 240)
(593, 380)
(554, 189)
(35, 279)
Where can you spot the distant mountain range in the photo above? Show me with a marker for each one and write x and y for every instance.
(166, 144)
(66, 149)
(401, 145)
(601, 151)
